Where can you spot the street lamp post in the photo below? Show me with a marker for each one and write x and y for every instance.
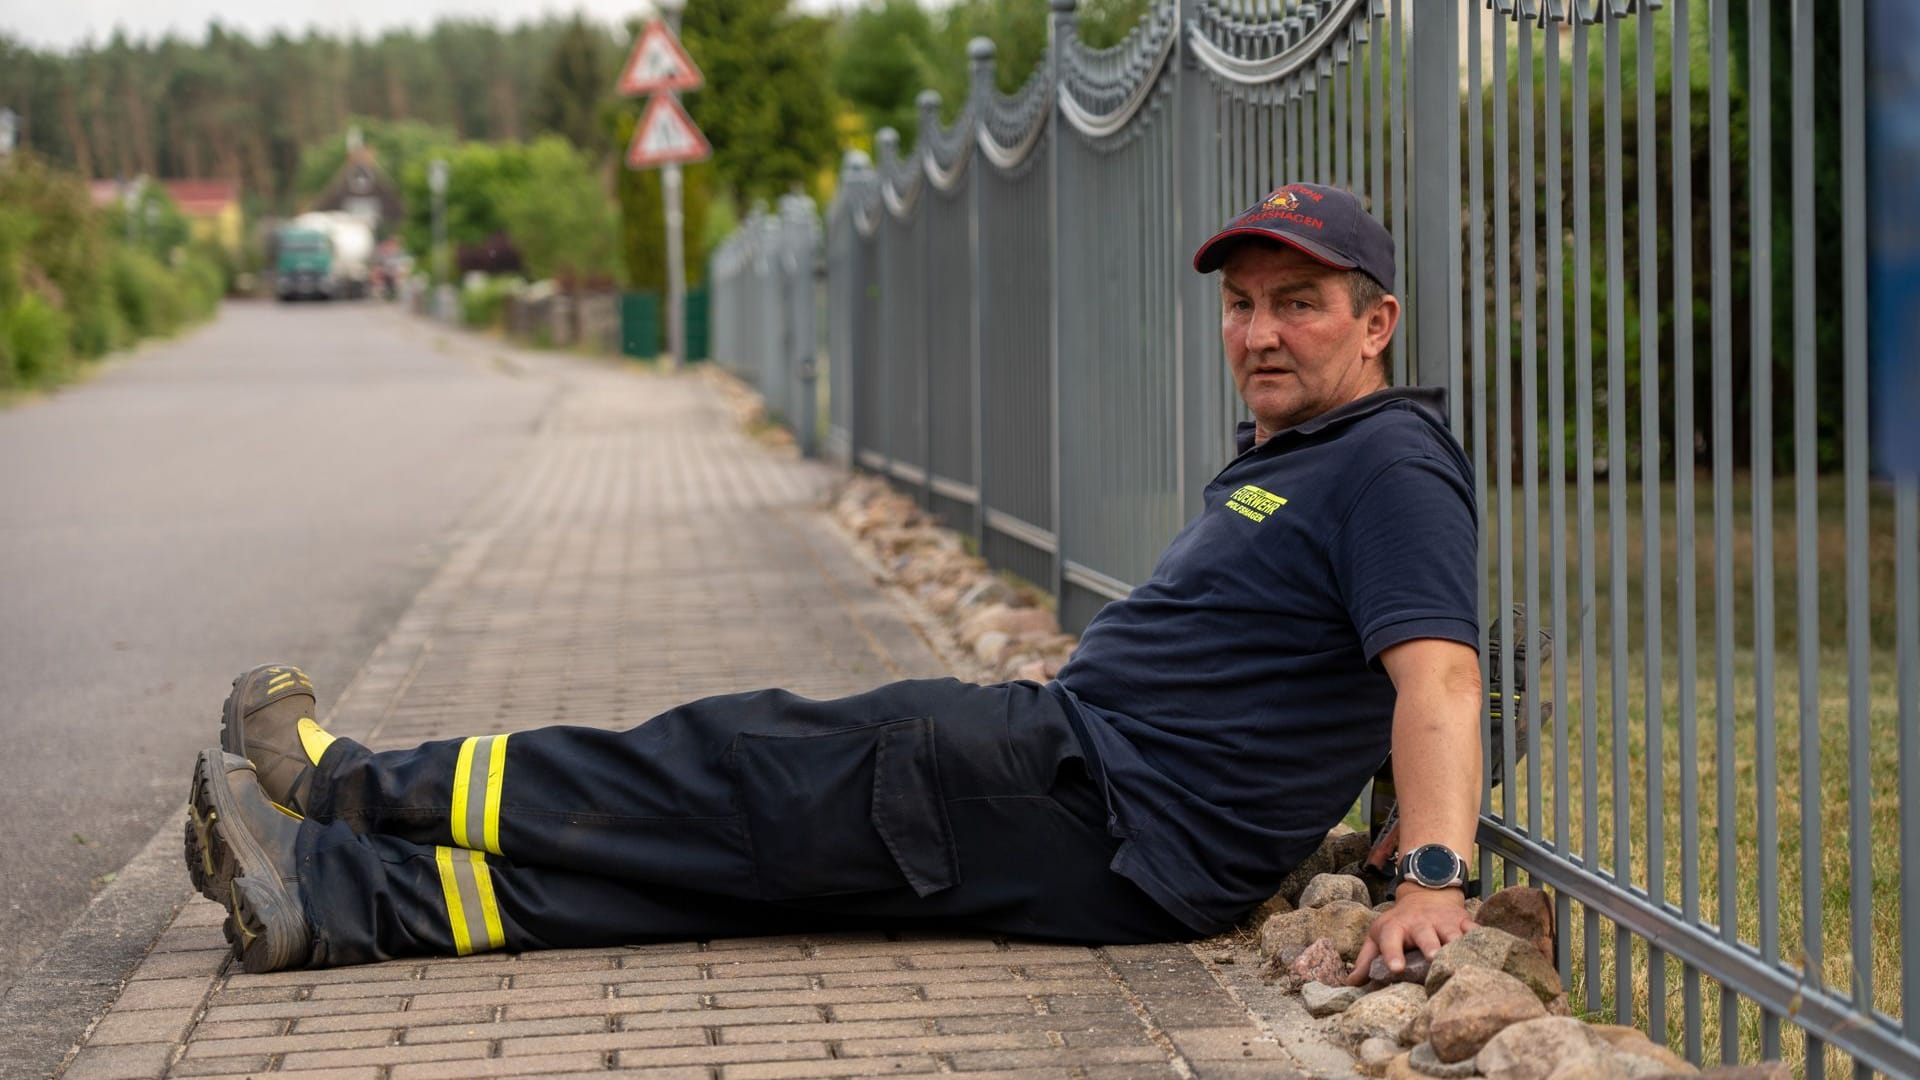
(676, 248)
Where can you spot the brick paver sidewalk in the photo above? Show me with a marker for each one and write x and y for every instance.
(644, 554)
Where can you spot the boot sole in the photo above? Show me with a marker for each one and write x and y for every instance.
(264, 924)
(210, 862)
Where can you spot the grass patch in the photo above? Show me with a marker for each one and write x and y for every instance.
(1611, 806)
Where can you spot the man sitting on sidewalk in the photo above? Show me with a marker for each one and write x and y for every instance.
(1205, 735)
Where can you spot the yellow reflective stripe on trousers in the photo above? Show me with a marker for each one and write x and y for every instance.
(473, 915)
(496, 772)
(478, 777)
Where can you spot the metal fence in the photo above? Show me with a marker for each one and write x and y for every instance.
(765, 300)
(1632, 245)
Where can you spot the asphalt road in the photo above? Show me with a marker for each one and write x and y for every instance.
(273, 486)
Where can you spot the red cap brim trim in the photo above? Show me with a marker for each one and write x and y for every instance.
(1204, 265)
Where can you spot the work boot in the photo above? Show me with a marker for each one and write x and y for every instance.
(268, 719)
(240, 852)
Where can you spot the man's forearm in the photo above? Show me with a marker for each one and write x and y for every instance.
(1436, 758)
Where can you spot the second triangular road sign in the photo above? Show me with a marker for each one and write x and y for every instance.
(664, 135)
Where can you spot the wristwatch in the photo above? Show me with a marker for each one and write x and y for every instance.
(1435, 866)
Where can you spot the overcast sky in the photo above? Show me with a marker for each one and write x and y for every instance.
(66, 23)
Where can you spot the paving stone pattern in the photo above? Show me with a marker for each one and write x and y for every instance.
(645, 553)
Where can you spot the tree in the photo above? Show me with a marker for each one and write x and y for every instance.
(576, 78)
(559, 216)
(765, 107)
(887, 55)
(643, 230)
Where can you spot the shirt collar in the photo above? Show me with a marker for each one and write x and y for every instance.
(1431, 398)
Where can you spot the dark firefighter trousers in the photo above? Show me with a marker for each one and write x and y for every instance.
(922, 804)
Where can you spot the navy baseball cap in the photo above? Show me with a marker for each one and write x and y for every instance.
(1327, 223)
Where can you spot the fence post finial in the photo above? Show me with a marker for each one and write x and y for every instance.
(1065, 16)
(928, 102)
(886, 143)
(981, 55)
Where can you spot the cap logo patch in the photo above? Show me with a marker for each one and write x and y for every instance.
(1282, 200)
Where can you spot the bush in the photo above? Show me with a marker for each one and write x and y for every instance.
(151, 300)
(33, 342)
(484, 305)
(70, 287)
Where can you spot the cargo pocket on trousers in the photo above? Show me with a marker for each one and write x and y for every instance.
(853, 810)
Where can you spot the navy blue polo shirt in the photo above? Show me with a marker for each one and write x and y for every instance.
(1234, 703)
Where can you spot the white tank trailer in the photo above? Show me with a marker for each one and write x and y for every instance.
(342, 271)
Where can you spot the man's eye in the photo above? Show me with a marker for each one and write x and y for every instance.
(1299, 305)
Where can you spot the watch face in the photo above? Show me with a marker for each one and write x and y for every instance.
(1433, 864)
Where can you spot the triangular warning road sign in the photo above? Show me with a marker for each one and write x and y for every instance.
(658, 63)
(665, 134)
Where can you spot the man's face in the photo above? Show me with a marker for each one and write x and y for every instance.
(1294, 345)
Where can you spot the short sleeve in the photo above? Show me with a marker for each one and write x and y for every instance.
(1404, 560)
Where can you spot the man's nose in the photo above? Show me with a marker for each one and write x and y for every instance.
(1263, 331)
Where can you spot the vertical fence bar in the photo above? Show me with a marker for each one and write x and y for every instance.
(1719, 183)
(1502, 676)
(1583, 436)
(1060, 30)
(1357, 110)
(1337, 135)
(1435, 270)
(1853, 292)
(1323, 163)
(1557, 493)
(1646, 166)
(1477, 347)
(1906, 607)
(1686, 614)
(980, 54)
(1397, 74)
(1760, 294)
(1377, 52)
(1529, 434)
(1806, 512)
(1618, 693)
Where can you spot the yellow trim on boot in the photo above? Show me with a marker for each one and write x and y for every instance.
(313, 738)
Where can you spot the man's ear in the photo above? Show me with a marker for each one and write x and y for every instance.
(1381, 320)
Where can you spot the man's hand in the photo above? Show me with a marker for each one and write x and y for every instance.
(1423, 919)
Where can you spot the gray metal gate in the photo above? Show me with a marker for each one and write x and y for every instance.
(1722, 787)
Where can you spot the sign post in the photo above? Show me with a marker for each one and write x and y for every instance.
(665, 138)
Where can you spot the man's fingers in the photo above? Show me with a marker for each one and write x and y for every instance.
(1426, 938)
(1393, 946)
(1358, 976)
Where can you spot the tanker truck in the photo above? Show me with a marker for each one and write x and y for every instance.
(324, 255)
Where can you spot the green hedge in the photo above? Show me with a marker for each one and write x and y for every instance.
(72, 290)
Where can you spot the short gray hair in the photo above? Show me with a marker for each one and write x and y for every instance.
(1364, 293)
